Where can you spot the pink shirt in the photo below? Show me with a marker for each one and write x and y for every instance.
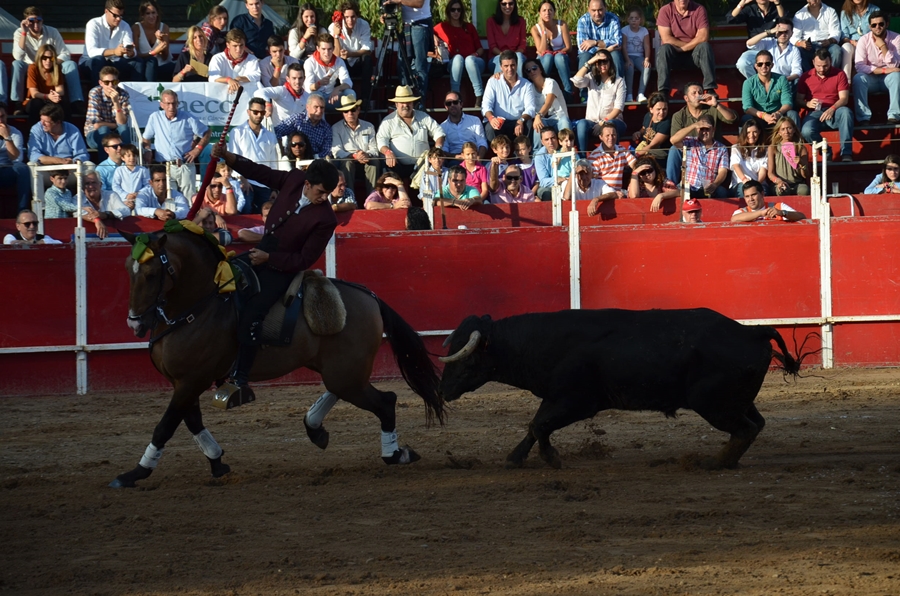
(683, 28)
(868, 57)
(476, 177)
(502, 196)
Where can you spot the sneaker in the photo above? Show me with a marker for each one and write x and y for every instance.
(629, 98)
(641, 97)
(894, 120)
(846, 157)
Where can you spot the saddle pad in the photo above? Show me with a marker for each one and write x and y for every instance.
(323, 309)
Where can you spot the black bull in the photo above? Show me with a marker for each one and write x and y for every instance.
(579, 362)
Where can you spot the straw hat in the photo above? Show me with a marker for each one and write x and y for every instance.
(404, 94)
(348, 102)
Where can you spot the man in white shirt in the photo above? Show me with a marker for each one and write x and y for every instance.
(26, 41)
(353, 143)
(404, 135)
(461, 128)
(816, 26)
(273, 69)
(26, 231)
(153, 201)
(588, 187)
(353, 42)
(108, 42)
(777, 41)
(508, 105)
(327, 74)
(257, 144)
(235, 66)
(286, 99)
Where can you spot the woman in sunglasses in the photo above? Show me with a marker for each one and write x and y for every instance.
(888, 181)
(45, 84)
(550, 108)
(606, 98)
(506, 31)
(298, 152)
(648, 181)
(464, 47)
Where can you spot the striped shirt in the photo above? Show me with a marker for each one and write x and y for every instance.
(609, 166)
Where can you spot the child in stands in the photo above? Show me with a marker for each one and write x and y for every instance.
(58, 200)
(566, 145)
(476, 174)
(526, 164)
(637, 53)
(502, 148)
(130, 178)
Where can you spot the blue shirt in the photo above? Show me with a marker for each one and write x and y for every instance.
(69, 144)
(125, 181)
(173, 138)
(106, 169)
(58, 203)
(319, 134)
(257, 35)
(504, 102)
(146, 204)
(18, 141)
(544, 168)
(609, 31)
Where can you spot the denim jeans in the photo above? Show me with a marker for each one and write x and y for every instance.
(421, 36)
(584, 132)
(474, 65)
(559, 63)
(4, 84)
(69, 70)
(95, 137)
(20, 175)
(130, 69)
(637, 64)
(865, 83)
(842, 121)
(556, 124)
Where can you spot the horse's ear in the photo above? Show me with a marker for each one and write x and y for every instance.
(131, 238)
(161, 240)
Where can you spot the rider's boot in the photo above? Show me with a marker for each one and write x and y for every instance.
(238, 391)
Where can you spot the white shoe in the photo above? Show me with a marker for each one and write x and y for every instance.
(642, 97)
(629, 98)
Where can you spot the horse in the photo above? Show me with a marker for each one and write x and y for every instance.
(194, 344)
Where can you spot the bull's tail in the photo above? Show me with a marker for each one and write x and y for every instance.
(419, 372)
(789, 364)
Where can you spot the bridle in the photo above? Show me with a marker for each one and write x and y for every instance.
(160, 302)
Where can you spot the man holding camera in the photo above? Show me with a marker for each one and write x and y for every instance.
(418, 27)
(108, 42)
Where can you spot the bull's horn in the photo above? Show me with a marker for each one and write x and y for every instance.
(466, 349)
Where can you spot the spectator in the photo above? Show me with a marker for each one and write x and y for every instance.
(112, 146)
(778, 42)
(684, 33)
(758, 209)
(327, 74)
(26, 226)
(108, 109)
(749, 159)
(767, 96)
(888, 181)
(234, 182)
(235, 66)
(194, 50)
(128, 180)
(288, 99)
(179, 138)
(649, 181)
(691, 211)
(389, 193)
(543, 164)
(46, 85)
(302, 36)
(219, 197)
(418, 34)
(606, 98)
(27, 40)
(4, 84)
(877, 69)
(298, 152)
(636, 40)
(610, 159)
(855, 23)
(273, 68)
(508, 100)
(599, 30)
(707, 159)
(826, 92)
(354, 144)
(697, 103)
(353, 44)
(526, 164)
(512, 191)
(433, 175)
(761, 17)
(653, 138)
(54, 141)
(460, 128)
(58, 200)
(13, 170)
(550, 105)
(553, 44)
(788, 160)
(417, 219)
(259, 145)
(502, 148)
(342, 198)
(151, 38)
(506, 33)
(566, 145)
(457, 193)
(588, 187)
(214, 224)
(215, 27)
(108, 42)
(464, 46)
(255, 233)
(101, 205)
(154, 201)
(256, 27)
(404, 135)
(476, 174)
(816, 27)
(312, 123)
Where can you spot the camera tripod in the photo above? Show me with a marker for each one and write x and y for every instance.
(391, 34)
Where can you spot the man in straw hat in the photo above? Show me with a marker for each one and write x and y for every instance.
(404, 135)
(353, 143)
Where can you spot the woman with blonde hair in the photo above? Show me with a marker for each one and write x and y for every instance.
(45, 84)
(788, 160)
(196, 51)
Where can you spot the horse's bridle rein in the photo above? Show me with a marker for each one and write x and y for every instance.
(160, 302)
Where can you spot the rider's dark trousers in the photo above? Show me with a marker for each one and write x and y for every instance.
(273, 285)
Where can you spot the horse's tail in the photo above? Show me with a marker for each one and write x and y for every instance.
(419, 372)
(788, 363)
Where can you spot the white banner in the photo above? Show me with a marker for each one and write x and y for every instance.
(208, 102)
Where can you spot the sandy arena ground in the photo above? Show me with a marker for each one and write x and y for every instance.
(813, 509)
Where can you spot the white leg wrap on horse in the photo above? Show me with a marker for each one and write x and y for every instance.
(317, 412)
(389, 443)
(207, 444)
(151, 456)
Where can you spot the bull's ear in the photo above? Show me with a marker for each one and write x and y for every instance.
(131, 238)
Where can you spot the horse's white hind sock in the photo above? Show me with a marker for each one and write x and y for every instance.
(207, 444)
(389, 443)
(151, 456)
(320, 409)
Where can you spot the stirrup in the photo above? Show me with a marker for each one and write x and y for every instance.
(230, 396)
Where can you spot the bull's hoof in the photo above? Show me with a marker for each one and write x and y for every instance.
(230, 396)
(318, 436)
(551, 456)
(217, 468)
(513, 462)
(128, 479)
(402, 456)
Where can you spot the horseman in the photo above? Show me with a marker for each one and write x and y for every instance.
(297, 230)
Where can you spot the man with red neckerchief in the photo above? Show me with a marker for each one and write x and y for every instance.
(287, 99)
(327, 74)
(235, 66)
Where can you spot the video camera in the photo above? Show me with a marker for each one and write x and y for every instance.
(389, 14)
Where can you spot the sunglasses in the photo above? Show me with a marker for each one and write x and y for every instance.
(531, 69)
(458, 181)
(876, 25)
(112, 82)
(35, 19)
(641, 173)
(452, 102)
(455, 9)
(511, 178)
(761, 64)
(215, 186)
(257, 112)
(604, 61)
(298, 144)
(116, 16)
(116, 146)
(46, 57)
(507, 4)
(30, 224)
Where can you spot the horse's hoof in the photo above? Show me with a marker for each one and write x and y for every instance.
(318, 436)
(217, 468)
(128, 479)
(402, 456)
(513, 464)
(119, 483)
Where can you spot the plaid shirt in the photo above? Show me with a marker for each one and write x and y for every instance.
(319, 134)
(100, 108)
(703, 163)
(609, 31)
